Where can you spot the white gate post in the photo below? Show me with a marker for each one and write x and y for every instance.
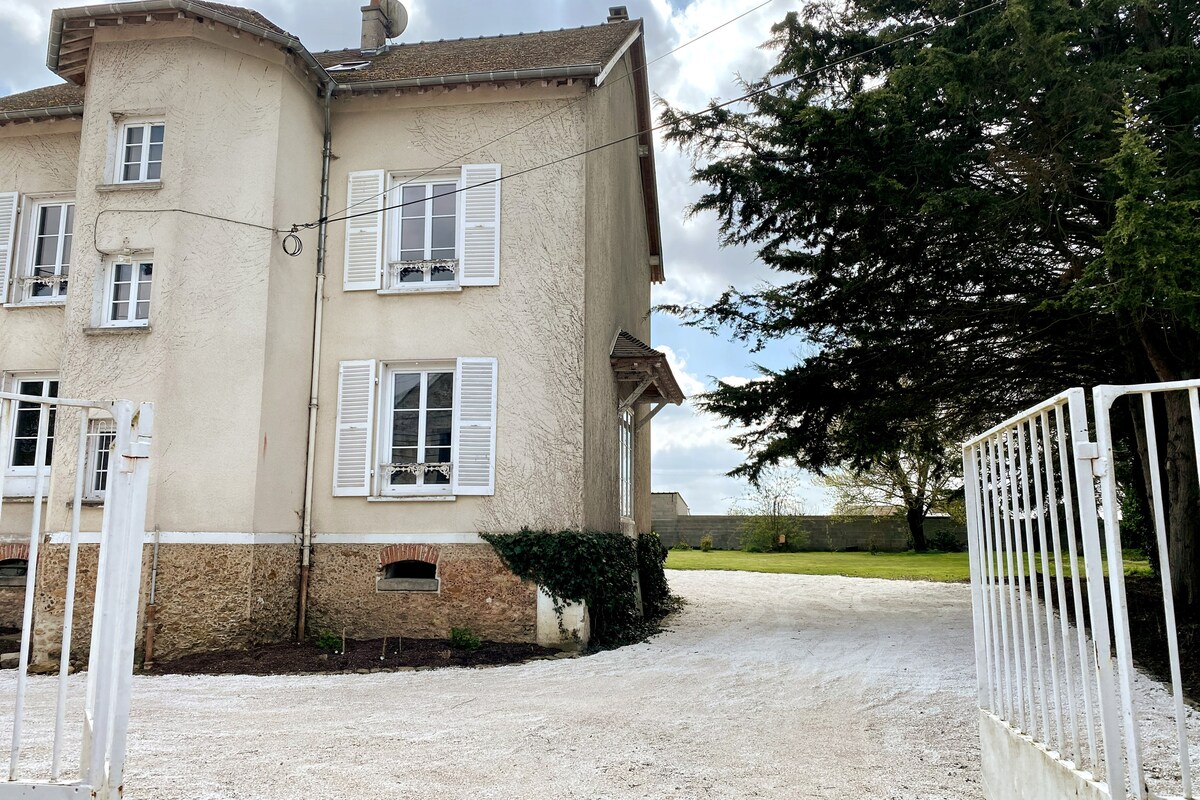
(110, 672)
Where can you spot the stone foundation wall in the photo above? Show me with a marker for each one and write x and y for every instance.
(208, 597)
(476, 591)
(218, 597)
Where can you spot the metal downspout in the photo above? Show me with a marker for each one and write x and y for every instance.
(151, 608)
(318, 308)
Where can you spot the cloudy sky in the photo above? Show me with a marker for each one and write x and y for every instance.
(691, 451)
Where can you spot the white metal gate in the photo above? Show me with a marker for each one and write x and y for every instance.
(38, 423)
(1042, 500)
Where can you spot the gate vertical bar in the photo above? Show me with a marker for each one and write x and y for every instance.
(35, 536)
(1047, 576)
(1110, 727)
(1087, 676)
(1030, 547)
(995, 609)
(64, 658)
(1164, 560)
(975, 552)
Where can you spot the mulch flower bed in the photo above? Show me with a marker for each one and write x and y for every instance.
(361, 656)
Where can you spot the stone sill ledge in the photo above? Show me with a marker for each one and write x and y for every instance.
(433, 498)
(132, 186)
(116, 330)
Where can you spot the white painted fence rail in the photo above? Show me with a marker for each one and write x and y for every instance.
(1043, 528)
(101, 756)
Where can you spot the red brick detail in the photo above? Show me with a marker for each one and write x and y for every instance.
(14, 550)
(409, 552)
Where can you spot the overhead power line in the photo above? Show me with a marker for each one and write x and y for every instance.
(770, 87)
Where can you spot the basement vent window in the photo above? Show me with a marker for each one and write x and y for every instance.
(408, 576)
(348, 66)
(13, 571)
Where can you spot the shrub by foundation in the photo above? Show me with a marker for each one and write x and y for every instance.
(592, 567)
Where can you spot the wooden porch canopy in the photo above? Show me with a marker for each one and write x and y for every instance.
(643, 376)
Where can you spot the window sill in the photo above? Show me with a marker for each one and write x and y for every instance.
(12, 582)
(38, 304)
(131, 186)
(420, 289)
(116, 330)
(416, 498)
(424, 585)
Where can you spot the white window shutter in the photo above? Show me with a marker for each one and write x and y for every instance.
(364, 234)
(8, 239)
(352, 461)
(475, 426)
(479, 226)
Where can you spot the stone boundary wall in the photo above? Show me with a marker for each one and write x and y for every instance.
(824, 533)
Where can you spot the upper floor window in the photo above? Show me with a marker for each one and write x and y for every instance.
(127, 299)
(434, 233)
(48, 265)
(423, 236)
(418, 434)
(141, 152)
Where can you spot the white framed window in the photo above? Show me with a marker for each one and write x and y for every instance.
(139, 158)
(127, 293)
(417, 430)
(438, 233)
(26, 427)
(422, 235)
(626, 463)
(47, 262)
(101, 436)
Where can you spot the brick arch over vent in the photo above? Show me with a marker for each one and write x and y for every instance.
(409, 552)
(14, 550)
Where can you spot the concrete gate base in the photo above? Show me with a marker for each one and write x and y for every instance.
(1015, 767)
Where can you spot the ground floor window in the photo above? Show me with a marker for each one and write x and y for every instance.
(26, 426)
(101, 435)
(418, 434)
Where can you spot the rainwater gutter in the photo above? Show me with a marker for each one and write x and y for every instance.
(43, 113)
(315, 382)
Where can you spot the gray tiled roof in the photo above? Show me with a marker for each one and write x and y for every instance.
(58, 95)
(593, 45)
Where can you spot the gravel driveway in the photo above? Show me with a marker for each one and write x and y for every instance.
(772, 686)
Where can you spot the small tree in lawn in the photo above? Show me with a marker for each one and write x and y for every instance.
(912, 484)
(771, 509)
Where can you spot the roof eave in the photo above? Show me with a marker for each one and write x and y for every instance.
(42, 113)
(498, 76)
(59, 17)
(649, 173)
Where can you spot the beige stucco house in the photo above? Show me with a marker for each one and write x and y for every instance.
(452, 341)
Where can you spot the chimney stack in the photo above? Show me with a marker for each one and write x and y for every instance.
(618, 14)
(382, 20)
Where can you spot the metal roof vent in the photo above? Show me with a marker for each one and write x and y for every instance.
(618, 14)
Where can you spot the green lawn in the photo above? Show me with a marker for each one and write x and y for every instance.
(946, 567)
